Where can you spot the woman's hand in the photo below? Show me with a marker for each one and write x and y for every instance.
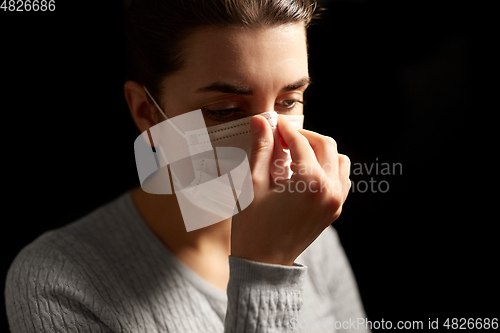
(286, 216)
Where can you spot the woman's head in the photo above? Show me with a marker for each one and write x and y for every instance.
(219, 54)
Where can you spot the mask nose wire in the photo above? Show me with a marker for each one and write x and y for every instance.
(164, 115)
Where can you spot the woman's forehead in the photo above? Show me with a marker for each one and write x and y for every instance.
(234, 40)
(247, 56)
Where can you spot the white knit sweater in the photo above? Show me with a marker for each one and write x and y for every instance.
(107, 272)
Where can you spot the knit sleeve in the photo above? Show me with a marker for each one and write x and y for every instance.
(44, 292)
(263, 297)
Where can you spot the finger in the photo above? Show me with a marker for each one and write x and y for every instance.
(262, 150)
(300, 149)
(279, 168)
(344, 172)
(325, 149)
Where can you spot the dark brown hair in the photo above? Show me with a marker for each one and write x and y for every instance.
(154, 29)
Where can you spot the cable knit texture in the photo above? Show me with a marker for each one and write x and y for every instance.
(107, 272)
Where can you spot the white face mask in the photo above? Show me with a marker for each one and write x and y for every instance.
(204, 165)
(238, 134)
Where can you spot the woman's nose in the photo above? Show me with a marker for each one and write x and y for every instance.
(262, 107)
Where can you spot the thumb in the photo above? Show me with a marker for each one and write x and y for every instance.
(262, 150)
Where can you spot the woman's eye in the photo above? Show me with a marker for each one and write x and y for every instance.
(224, 114)
(290, 103)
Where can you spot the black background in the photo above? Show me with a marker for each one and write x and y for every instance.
(393, 82)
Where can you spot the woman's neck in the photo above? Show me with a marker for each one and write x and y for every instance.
(162, 215)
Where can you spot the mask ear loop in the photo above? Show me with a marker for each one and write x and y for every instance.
(164, 115)
(178, 131)
(157, 106)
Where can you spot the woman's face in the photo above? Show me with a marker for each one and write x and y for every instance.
(232, 73)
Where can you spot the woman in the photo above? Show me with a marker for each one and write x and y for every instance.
(130, 266)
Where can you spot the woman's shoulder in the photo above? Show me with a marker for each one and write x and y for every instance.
(92, 245)
(105, 258)
(95, 227)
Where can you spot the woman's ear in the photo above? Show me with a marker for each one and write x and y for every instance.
(137, 100)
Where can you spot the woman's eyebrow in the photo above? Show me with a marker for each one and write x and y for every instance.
(304, 82)
(226, 88)
(229, 88)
